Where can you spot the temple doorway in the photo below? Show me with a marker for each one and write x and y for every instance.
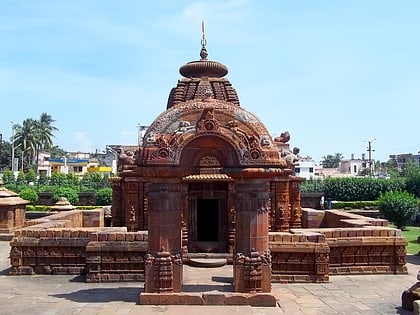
(207, 218)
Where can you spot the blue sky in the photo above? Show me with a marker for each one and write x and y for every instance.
(335, 74)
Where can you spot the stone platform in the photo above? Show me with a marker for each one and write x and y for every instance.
(207, 262)
(210, 298)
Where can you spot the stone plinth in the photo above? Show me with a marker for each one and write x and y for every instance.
(12, 211)
(252, 299)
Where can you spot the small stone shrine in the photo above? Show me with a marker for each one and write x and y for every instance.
(12, 211)
(208, 179)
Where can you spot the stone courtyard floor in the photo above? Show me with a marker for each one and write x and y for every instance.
(66, 294)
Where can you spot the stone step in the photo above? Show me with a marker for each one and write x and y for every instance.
(208, 262)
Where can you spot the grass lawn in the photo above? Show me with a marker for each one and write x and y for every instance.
(411, 233)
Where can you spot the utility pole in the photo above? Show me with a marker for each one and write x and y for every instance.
(370, 150)
(13, 146)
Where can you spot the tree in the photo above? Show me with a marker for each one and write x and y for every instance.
(26, 136)
(57, 152)
(34, 135)
(5, 155)
(399, 207)
(331, 161)
(45, 131)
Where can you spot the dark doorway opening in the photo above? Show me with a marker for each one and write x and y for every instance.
(207, 220)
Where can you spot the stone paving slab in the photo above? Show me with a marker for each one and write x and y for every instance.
(69, 294)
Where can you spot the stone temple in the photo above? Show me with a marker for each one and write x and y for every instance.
(208, 181)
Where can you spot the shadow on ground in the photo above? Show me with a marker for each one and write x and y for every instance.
(207, 288)
(102, 295)
(5, 271)
(413, 259)
(401, 311)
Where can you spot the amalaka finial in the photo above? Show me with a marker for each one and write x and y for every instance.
(203, 52)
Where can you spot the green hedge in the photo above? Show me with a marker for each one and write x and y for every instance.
(32, 208)
(354, 204)
(360, 189)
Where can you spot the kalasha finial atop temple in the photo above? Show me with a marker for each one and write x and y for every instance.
(203, 52)
(203, 67)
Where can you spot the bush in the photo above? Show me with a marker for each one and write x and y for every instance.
(312, 186)
(104, 197)
(354, 204)
(8, 177)
(398, 207)
(413, 185)
(29, 194)
(33, 208)
(69, 193)
(359, 189)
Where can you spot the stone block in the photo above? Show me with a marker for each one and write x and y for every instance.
(214, 299)
(262, 299)
(111, 236)
(102, 236)
(120, 236)
(130, 237)
(236, 299)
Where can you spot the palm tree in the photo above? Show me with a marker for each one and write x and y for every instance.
(331, 161)
(26, 136)
(34, 135)
(45, 131)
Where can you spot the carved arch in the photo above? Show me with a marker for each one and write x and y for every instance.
(209, 145)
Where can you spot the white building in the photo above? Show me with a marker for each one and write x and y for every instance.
(355, 166)
(305, 168)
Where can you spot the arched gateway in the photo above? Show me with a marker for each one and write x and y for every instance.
(207, 178)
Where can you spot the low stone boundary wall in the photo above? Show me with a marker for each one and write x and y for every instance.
(364, 250)
(312, 218)
(299, 257)
(49, 251)
(115, 256)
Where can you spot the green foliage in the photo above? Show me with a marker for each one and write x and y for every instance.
(354, 204)
(411, 233)
(411, 169)
(94, 182)
(398, 207)
(104, 196)
(312, 186)
(38, 208)
(58, 179)
(30, 176)
(43, 179)
(67, 192)
(413, 185)
(29, 194)
(358, 189)
(72, 180)
(86, 207)
(20, 180)
(8, 177)
(331, 161)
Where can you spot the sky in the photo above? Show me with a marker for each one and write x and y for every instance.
(335, 74)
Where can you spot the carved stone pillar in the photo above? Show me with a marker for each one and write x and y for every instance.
(295, 208)
(231, 218)
(252, 272)
(281, 206)
(116, 209)
(163, 271)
